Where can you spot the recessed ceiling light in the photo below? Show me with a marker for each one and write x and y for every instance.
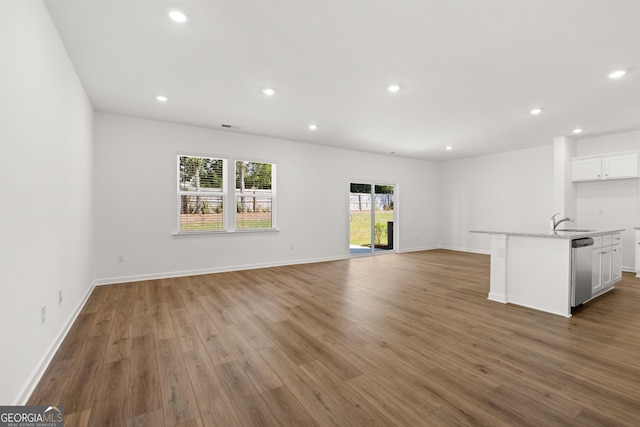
(313, 127)
(393, 88)
(577, 130)
(448, 148)
(535, 111)
(178, 16)
(268, 91)
(617, 74)
(162, 98)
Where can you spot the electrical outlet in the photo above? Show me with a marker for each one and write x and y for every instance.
(43, 314)
(120, 258)
(60, 297)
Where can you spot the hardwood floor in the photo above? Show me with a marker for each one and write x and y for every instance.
(404, 339)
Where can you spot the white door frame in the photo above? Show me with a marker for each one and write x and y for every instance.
(395, 216)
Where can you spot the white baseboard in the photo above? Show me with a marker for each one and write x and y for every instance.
(418, 249)
(200, 271)
(473, 251)
(43, 364)
(497, 297)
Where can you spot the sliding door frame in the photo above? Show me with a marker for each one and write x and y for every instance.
(394, 241)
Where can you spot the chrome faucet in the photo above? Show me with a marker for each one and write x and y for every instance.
(555, 223)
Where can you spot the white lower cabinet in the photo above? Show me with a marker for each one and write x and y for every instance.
(637, 253)
(616, 263)
(596, 271)
(606, 267)
(601, 278)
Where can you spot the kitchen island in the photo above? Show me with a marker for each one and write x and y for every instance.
(532, 267)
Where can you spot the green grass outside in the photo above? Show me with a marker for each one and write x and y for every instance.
(252, 224)
(201, 226)
(241, 224)
(360, 226)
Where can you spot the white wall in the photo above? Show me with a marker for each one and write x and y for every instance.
(46, 175)
(497, 191)
(515, 189)
(611, 204)
(136, 200)
(612, 143)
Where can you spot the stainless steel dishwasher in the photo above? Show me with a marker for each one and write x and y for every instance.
(581, 270)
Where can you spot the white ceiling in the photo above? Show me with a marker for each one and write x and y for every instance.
(469, 72)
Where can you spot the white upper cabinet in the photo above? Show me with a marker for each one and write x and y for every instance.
(625, 166)
(608, 167)
(586, 170)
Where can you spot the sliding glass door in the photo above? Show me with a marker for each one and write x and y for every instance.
(371, 218)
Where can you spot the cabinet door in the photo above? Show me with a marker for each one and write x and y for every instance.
(637, 254)
(586, 170)
(624, 166)
(596, 271)
(606, 268)
(616, 264)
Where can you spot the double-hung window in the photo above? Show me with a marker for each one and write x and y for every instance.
(204, 204)
(255, 192)
(201, 193)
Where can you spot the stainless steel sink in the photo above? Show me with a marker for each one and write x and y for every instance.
(575, 230)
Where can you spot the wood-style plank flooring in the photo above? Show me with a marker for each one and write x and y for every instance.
(404, 339)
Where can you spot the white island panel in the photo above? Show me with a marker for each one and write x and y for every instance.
(637, 254)
(498, 291)
(539, 274)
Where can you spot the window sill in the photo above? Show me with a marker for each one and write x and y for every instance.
(224, 232)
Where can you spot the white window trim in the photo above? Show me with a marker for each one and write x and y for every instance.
(223, 193)
(272, 196)
(229, 197)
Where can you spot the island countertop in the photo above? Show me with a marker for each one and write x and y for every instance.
(558, 234)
